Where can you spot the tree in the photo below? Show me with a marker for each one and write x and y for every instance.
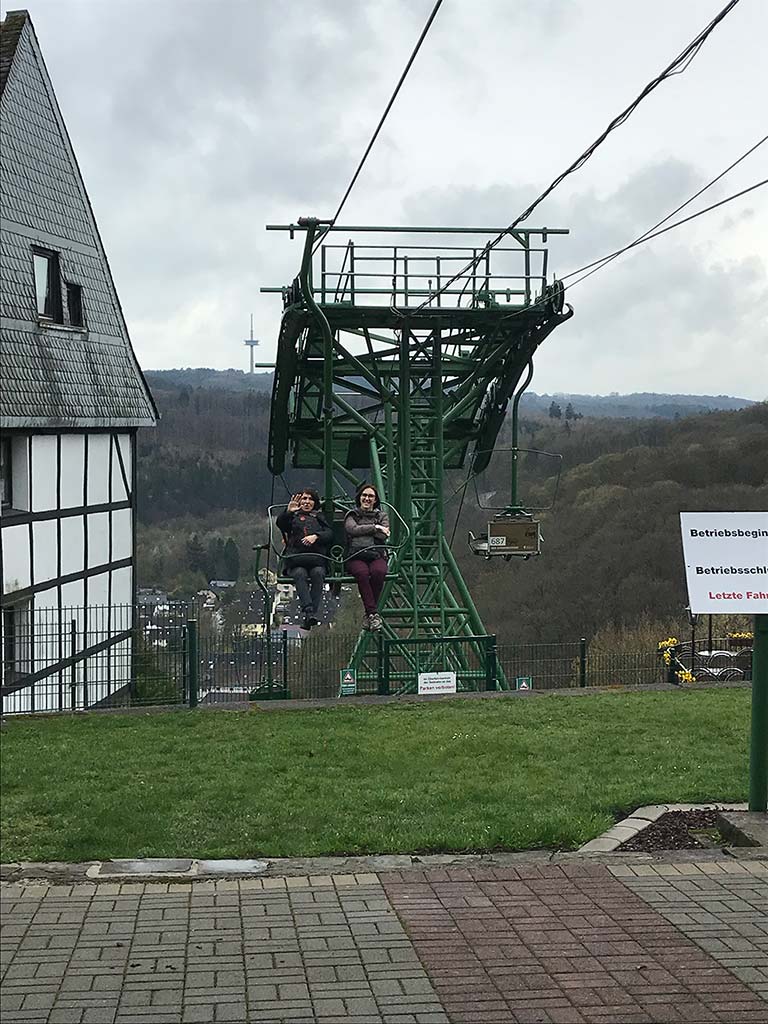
(231, 560)
(195, 554)
(555, 412)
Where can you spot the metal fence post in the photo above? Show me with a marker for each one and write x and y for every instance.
(490, 663)
(384, 685)
(583, 662)
(758, 760)
(671, 669)
(192, 661)
(380, 688)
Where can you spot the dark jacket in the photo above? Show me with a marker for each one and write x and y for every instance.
(362, 536)
(296, 525)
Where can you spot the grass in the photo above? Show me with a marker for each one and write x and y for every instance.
(452, 776)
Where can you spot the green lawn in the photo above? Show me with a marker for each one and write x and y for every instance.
(462, 775)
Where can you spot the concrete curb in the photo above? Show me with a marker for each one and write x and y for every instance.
(640, 819)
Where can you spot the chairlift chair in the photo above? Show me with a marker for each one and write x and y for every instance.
(336, 557)
(513, 532)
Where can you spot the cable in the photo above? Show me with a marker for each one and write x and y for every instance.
(678, 66)
(640, 241)
(607, 259)
(379, 126)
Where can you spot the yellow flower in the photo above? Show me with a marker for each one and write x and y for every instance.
(667, 656)
(671, 641)
(685, 676)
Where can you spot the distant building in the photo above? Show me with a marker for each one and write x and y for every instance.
(72, 397)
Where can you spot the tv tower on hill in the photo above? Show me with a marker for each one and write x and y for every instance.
(251, 342)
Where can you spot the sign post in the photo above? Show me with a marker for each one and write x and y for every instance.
(726, 568)
(758, 750)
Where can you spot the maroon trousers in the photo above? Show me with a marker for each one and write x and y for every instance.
(369, 577)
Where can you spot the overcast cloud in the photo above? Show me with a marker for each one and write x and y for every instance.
(195, 124)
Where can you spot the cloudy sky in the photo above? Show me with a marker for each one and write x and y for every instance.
(196, 123)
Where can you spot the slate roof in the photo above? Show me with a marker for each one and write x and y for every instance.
(54, 374)
(10, 30)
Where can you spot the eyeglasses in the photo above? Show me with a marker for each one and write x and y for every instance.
(372, 497)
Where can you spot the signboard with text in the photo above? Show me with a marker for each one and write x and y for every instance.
(437, 682)
(347, 682)
(726, 562)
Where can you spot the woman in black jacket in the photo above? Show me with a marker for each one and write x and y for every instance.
(307, 538)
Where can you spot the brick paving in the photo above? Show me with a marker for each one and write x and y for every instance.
(562, 945)
(530, 944)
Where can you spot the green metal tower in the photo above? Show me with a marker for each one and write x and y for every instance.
(385, 374)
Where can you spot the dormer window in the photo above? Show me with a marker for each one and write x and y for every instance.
(75, 305)
(48, 285)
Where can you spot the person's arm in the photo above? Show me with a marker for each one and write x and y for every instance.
(382, 527)
(355, 529)
(284, 521)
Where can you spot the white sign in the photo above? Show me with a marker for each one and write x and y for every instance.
(437, 682)
(726, 561)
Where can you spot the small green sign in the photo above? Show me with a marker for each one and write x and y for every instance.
(524, 683)
(347, 682)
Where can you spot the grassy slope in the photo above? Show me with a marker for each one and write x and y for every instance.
(514, 774)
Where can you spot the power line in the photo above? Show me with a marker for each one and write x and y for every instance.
(599, 263)
(392, 99)
(677, 224)
(604, 260)
(678, 66)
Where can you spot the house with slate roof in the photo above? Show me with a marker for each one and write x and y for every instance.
(72, 397)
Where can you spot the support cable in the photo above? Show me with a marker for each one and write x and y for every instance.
(604, 260)
(599, 263)
(678, 66)
(379, 126)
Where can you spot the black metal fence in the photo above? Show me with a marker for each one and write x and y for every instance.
(77, 659)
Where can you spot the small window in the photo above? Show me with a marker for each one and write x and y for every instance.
(48, 285)
(6, 475)
(75, 305)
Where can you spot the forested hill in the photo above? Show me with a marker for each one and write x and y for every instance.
(636, 406)
(612, 551)
(612, 545)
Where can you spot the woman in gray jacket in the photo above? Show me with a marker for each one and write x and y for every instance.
(367, 530)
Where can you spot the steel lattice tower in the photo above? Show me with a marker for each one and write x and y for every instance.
(378, 378)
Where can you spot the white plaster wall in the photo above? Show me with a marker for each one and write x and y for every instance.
(45, 551)
(98, 469)
(16, 558)
(20, 471)
(122, 534)
(119, 492)
(72, 448)
(98, 597)
(72, 545)
(44, 472)
(122, 586)
(98, 539)
(72, 595)
(47, 599)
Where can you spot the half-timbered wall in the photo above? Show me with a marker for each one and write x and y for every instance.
(67, 557)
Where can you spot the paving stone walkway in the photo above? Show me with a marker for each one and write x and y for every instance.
(530, 944)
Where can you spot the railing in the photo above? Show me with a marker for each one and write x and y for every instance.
(723, 659)
(406, 275)
(177, 654)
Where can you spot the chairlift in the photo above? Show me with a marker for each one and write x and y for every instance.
(336, 557)
(514, 531)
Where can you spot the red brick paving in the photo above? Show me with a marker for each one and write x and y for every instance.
(559, 945)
